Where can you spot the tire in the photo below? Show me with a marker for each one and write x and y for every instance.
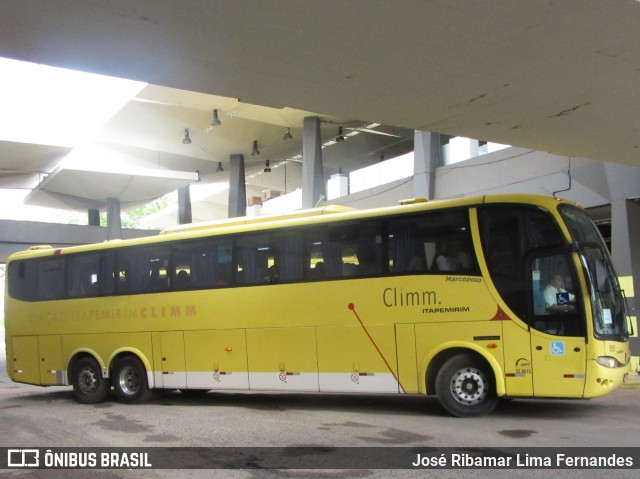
(130, 381)
(89, 387)
(466, 387)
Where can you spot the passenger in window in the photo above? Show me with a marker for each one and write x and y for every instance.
(224, 275)
(446, 259)
(416, 264)
(463, 260)
(556, 298)
(349, 269)
(182, 280)
(273, 275)
(318, 270)
(155, 281)
(367, 263)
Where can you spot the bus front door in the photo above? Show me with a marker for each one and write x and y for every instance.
(558, 356)
(558, 365)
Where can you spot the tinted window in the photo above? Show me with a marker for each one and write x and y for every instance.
(434, 243)
(143, 270)
(202, 264)
(555, 299)
(510, 234)
(90, 274)
(22, 277)
(437, 243)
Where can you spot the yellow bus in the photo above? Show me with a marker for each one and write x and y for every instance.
(470, 299)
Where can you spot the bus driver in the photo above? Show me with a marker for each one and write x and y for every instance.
(556, 298)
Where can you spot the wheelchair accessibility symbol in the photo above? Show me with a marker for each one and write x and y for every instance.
(557, 348)
(563, 298)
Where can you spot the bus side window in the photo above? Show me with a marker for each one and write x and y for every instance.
(51, 284)
(182, 280)
(433, 243)
(122, 279)
(509, 234)
(157, 276)
(183, 269)
(23, 279)
(208, 262)
(405, 254)
(325, 256)
(316, 265)
(143, 270)
(445, 260)
(360, 248)
(289, 256)
(254, 257)
(82, 275)
(106, 274)
(223, 271)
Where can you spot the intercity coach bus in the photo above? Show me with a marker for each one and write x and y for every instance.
(470, 299)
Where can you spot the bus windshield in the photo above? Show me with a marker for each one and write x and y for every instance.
(608, 305)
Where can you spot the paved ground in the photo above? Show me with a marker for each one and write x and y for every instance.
(31, 416)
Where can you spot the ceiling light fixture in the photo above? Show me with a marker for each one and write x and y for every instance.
(340, 136)
(255, 151)
(219, 168)
(267, 167)
(187, 139)
(287, 135)
(215, 121)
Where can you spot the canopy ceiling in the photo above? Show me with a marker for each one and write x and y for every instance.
(561, 77)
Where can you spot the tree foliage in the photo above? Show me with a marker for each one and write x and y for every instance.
(131, 218)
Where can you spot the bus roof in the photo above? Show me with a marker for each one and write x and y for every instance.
(309, 216)
(248, 220)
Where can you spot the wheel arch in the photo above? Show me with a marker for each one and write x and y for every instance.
(80, 353)
(436, 359)
(128, 351)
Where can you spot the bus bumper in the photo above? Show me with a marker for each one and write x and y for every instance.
(603, 380)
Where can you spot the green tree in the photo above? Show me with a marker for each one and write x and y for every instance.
(131, 218)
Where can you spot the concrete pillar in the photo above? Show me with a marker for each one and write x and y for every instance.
(474, 148)
(114, 224)
(94, 217)
(337, 186)
(625, 236)
(237, 187)
(184, 205)
(426, 147)
(313, 189)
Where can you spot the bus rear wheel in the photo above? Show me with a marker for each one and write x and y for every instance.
(130, 381)
(465, 386)
(89, 387)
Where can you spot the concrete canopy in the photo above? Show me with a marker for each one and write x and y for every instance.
(138, 153)
(553, 76)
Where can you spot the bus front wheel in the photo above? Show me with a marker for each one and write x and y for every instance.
(130, 380)
(89, 387)
(465, 386)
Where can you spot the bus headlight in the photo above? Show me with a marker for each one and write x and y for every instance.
(608, 362)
